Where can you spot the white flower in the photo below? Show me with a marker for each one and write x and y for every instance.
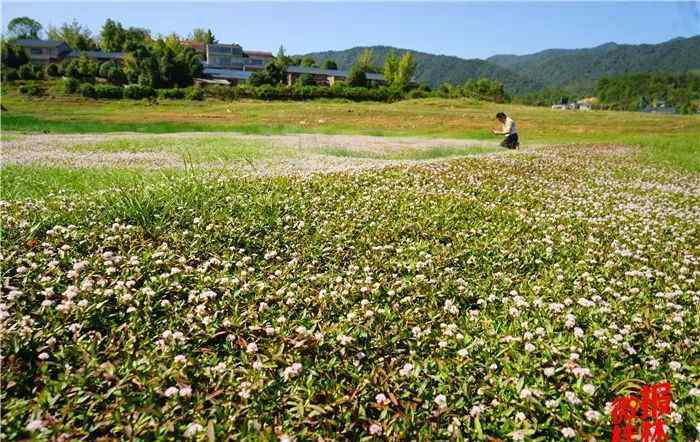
(43, 356)
(251, 348)
(475, 411)
(589, 389)
(529, 347)
(441, 400)
(292, 371)
(193, 429)
(35, 425)
(518, 435)
(525, 393)
(406, 370)
(694, 392)
(592, 415)
(463, 352)
(381, 399)
(375, 429)
(675, 366)
(180, 359)
(568, 432)
(186, 391)
(344, 340)
(171, 391)
(549, 371)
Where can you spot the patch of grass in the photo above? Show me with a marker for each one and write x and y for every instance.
(337, 306)
(675, 152)
(430, 153)
(43, 181)
(196, 149)
(29, 124)
(665, 135)
(440, 152)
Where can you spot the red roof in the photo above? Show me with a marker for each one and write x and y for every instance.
(259, 54)
(193, 44)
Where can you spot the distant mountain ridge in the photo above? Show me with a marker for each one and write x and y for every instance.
(437, 69)
(574, 70)
(579, 69)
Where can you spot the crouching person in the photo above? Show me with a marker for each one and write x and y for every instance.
(509, 131)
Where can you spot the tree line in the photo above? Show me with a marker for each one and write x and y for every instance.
(152, 61)
(641, 91)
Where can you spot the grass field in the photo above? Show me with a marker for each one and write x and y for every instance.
(428, 289)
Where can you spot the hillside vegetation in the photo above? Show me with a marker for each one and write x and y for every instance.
(578, 69)
(572, 70)
(437, 69)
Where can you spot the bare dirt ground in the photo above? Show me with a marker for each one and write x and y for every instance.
(54, 150)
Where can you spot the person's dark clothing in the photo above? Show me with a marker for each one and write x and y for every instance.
(510, 142)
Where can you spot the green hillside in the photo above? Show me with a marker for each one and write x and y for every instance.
(437, 69)
(574, 70)
(578, 70)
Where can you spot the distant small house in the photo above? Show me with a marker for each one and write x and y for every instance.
(660, 110)
(661, 107)
(584, 105)
(579, 105)
(327, 77)
(44, 51)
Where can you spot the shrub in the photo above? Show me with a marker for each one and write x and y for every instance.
(171, 94)
(52, 70)
(26, 72)
(71, 69)
(222, 92)
(10, 74)
(112, 72)
(39, 73)
(194, 93)
(70, 85)
(109, 91)
(417, 93)
(31, 89)
(87, 90)
(137, 92)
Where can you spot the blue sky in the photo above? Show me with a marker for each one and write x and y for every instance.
(469, 30)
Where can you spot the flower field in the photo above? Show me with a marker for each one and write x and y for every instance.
(505, 297)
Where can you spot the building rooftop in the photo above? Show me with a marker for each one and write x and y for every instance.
(330, 72)
(39, 43)
(230, 74)
(259, 54)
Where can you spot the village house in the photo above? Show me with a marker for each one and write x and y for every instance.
(327, 77)
(44, 51)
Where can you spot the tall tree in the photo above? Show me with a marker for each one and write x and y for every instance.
(330, 64)
(308, 62)
(74, 34)
(24, 27)
(12, 55)
(282, 59)
(407, 67)
(391, 67)
(112, 36)
(202, 35)
(365, 59)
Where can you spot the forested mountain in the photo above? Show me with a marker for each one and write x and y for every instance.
(573, 70)
(577, 70)
(437, 69)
